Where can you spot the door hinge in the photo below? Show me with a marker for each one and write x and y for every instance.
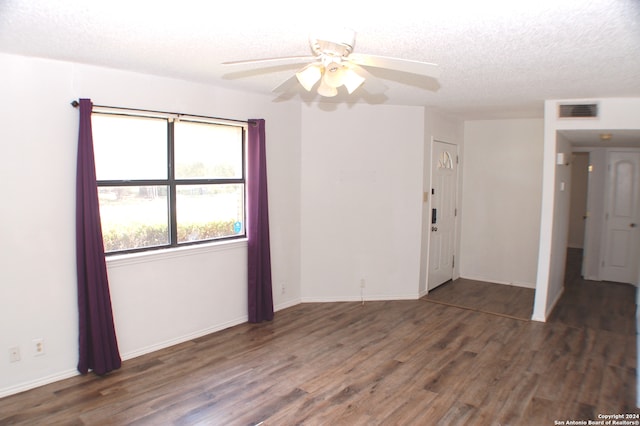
(455, 212)
(453, 261)
(457, 160)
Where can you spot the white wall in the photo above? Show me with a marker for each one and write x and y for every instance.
(501, 199)
(614, 113)
(158, 299)
(560, 230)
(361, 201)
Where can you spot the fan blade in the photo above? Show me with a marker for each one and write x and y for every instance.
(287, 85)
(372, 84)
(274, 61)
(397, 64)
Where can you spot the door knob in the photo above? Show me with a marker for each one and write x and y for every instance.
(633, 225)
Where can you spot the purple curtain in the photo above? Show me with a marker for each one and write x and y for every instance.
(98, 345)
(259, 255)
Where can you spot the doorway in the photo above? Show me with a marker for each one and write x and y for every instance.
(444, 183)
(611, 243)
(578, 208)
(621, 232)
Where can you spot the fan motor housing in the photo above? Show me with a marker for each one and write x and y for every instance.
(337, 42)
(331, 48)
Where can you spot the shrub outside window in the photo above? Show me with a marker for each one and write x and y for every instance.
(164, 182)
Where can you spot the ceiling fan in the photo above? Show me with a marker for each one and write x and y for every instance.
(333, 64)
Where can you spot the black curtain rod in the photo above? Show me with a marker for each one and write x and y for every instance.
(76, 104)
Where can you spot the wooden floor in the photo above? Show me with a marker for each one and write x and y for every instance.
(388, 363)
(583, 300)
(499, 299)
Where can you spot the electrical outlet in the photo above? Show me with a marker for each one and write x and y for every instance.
(14, 354)
(38, 347)
(283, 288)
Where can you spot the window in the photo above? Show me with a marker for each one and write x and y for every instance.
(167, 182)
(445, 161)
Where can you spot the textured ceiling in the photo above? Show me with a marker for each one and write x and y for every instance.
(498, 59)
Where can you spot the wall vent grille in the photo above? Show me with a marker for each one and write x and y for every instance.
(578, 111)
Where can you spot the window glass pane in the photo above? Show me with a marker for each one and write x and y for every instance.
(207, 151)
(209, 211)
(133, 217)
(128, 148)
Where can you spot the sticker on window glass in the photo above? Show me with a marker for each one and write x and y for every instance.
(237, 227)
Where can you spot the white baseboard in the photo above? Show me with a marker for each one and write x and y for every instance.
(366, 298)
(25, 386)
(183, 338)
(492, 281)
(21, 387)
(550, 307)
(286, 305)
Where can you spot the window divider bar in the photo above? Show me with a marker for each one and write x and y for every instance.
(207, 181)
(165, 182)
(133, 182)
(173, 196)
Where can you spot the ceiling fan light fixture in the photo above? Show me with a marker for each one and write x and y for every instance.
(352, 80)
(309, 76)
(333, 74)
(334, 65)
(326, 90)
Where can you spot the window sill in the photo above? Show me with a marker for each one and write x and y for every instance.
(119, 260)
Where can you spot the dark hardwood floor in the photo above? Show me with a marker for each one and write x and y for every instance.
(583, 300)
(381, 363)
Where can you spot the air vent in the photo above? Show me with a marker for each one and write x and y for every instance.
(578, 111)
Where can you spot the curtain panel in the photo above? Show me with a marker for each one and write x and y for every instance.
(97, 336)
(260, 302)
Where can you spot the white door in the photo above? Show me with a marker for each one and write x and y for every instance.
(622, 218)
(444, 177)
